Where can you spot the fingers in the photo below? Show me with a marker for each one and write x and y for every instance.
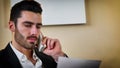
(50, 43)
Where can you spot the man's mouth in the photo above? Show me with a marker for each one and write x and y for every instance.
(32, 39)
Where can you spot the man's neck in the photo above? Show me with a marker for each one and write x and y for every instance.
(27, 52)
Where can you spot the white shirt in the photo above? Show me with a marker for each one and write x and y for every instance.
(24, 61)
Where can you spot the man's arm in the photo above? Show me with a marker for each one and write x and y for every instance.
(53, 48)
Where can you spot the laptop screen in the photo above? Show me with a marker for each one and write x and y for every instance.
(64, 62)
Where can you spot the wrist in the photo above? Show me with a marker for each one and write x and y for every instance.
(61, 54)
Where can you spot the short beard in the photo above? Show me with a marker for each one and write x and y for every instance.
(19, 38)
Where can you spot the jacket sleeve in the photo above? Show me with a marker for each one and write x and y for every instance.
(48, 61)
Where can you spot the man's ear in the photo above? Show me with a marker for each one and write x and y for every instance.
(12, 26)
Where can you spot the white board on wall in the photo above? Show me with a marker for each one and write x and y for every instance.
(62, 12)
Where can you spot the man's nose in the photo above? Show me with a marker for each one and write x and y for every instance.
(34, 31)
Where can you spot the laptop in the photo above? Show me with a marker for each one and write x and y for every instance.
(64, 62)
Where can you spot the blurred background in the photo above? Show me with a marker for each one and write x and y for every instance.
(98, 39)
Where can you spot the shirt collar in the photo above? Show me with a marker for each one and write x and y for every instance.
(21, 56)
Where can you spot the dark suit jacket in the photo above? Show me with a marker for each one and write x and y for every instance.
(8, 59)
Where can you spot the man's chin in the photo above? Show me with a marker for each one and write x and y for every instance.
(30, 46)
(32, 43)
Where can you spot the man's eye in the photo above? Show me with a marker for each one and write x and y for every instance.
(38, 26)
(28, 25)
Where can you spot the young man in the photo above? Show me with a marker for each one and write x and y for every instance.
(25, 24)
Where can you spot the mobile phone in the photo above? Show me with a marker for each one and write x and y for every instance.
(41, 47)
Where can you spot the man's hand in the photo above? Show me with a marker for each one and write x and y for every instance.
(53, 47)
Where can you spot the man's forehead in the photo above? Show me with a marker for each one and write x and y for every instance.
(29, 16)
(29, 22)
(28, 13)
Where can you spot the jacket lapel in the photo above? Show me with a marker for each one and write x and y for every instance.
(47, 61)
(12, 58)
(13, 62)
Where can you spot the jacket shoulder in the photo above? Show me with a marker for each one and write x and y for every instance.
(2, 53)
(3, 59)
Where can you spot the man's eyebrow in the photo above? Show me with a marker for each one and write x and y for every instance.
(28, 22)
(39, 23)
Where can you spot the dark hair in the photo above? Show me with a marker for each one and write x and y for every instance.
(25, 5)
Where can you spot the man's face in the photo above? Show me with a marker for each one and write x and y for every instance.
(27, 29)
